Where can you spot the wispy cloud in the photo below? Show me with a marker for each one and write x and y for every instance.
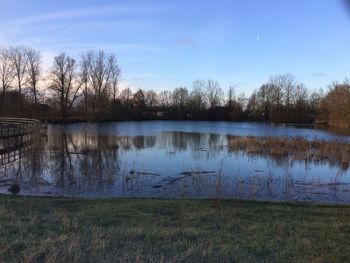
(123, 17)
(90, 12)
(71, 46)
(84, 28)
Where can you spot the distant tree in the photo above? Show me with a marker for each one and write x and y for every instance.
(19, 62)
(139, 101)
(165, 99)
(198, 95)
(214, 93)
(231, 97)
(337, 104)
(33, 68)
(6, 70)
(281, 99)
(300, 109)
(300, 97)
(85, 63)
(265, 100)
(100, 74)
(288, 85)
(115, 76)
(235, 104)
(315, 100)
(180, 98)
(64, 83)
(125, 97)
(242, 100)
(276, 85)
(252, 106)
(151, 99)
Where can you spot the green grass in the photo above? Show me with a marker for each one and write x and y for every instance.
(137, 230)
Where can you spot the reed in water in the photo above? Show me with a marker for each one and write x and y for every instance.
(297, 148)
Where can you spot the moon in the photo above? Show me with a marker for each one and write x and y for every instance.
(258, 38)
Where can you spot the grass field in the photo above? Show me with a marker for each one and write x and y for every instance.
(138, 230)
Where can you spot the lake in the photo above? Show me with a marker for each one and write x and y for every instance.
(182, 159)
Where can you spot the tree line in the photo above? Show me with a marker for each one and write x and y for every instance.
(87, 89)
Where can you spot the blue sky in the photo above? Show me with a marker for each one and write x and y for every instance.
(165, 44)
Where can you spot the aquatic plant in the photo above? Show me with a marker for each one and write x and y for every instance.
(295, 148)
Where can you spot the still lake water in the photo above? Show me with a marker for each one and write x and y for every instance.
(172, 159)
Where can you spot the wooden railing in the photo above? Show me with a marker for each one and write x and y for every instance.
(16, 136)
(13, 127)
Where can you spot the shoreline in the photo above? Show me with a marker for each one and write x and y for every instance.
(175, 199)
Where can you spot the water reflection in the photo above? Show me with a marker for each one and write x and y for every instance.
(82, 160)
(88, 161)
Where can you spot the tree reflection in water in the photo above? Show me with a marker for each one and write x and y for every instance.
(83, 159)
(89, 162)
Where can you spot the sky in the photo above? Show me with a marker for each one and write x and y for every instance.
(162, 44)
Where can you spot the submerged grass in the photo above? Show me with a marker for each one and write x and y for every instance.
(298, 148)
(150, 230)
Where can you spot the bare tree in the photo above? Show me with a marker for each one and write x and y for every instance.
(125, 97)
(252, 105)
(151, 99)
(138, 100)
(19, 61)
(33, 67)
(242, 100)
(198, 94)
(84, 77)
(287, 83)
(115, 75)
(231, 97)
(214, 93)
(65, 86)
(265, 100)
(301, 95)
(6, 70)
(180, 97)
(315, 101)
(277, 89)
(165, 99)
(101, 73)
